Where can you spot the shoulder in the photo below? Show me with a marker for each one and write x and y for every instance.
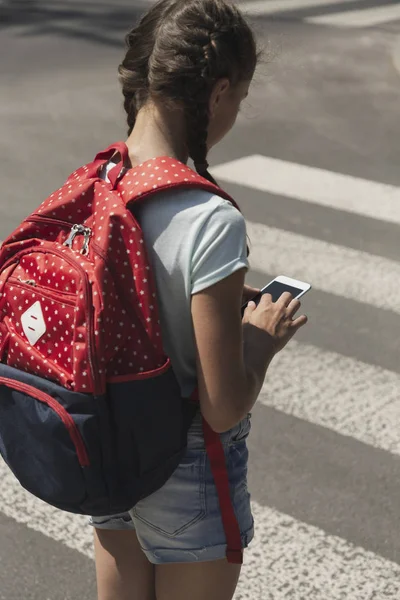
(190, 215)
(193, 208)
(201, 204)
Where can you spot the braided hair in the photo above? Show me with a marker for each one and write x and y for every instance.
(177, 53)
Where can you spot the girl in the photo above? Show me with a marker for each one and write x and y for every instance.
(188, 67)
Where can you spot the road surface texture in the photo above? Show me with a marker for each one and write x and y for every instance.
(314, 163)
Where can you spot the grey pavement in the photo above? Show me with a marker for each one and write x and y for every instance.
(33, 566)
(325, 97)
(396, 53)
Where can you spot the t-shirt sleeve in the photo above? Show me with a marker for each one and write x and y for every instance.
(220, 248)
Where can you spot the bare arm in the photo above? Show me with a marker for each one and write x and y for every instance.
(233, 355)
(228, 385)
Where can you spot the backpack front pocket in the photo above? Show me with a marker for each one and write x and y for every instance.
(41, 443)
(50, 353)
(46, 304)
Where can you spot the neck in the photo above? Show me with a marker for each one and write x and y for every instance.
(158, 131)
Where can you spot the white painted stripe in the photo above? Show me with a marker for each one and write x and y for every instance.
(23, 507)
(343, 394)
(269, 7)
(287, 558)
(359, 18)
(335, 190)
(290, 560)
(341, 271)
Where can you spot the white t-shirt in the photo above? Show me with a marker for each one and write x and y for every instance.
(194, 239)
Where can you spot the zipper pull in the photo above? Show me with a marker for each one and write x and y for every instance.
(74, 232)
(79, 230)
(28, 281)
(85, 249)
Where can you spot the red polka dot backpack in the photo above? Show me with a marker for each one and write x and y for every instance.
(91, 415)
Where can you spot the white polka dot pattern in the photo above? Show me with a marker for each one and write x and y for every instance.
(99, 306)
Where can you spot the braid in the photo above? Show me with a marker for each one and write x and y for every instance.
(131, 111)
(203, 48)
(197, 119)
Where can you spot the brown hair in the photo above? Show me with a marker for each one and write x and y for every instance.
(177, 52)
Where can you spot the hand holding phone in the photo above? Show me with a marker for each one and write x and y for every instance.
(277, 286)
(276, 317)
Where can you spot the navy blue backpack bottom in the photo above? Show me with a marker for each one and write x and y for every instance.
(92, 455)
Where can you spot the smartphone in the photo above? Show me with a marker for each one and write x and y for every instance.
(281, 284)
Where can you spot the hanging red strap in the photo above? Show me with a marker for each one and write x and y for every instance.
(216, 455)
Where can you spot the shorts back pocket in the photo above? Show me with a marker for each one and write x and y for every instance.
(181, 502)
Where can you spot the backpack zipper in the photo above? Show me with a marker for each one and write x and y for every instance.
(89, 305)
(56, 295)
(39, 218)
(76, 229)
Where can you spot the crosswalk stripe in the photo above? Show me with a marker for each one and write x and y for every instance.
(23, 507)
(287, 557)
(367, 17)
(291, 559)
(352, 274)
(341, 393)
(319, 186)
(261, 7)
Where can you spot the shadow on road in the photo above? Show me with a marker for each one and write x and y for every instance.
(98, 21)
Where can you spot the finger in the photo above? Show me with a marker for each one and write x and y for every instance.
(293, 307)
(284, 300)
(300, 321)
(266, 298)
(249, 308)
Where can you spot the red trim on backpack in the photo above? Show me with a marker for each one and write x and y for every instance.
(58, 408)
(144, 375)
(216, 455)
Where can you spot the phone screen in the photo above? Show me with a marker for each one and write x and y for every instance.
(276, 290)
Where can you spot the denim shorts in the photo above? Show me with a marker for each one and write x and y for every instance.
(181, 522)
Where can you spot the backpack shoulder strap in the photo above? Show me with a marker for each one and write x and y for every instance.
(160, 174)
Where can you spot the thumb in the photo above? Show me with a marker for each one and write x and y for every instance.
(249, 310)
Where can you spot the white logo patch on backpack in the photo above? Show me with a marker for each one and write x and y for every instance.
(33, 323)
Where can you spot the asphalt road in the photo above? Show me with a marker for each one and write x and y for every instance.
(325, 442)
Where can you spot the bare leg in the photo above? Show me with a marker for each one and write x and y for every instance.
(123, 571)
(213, 580)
